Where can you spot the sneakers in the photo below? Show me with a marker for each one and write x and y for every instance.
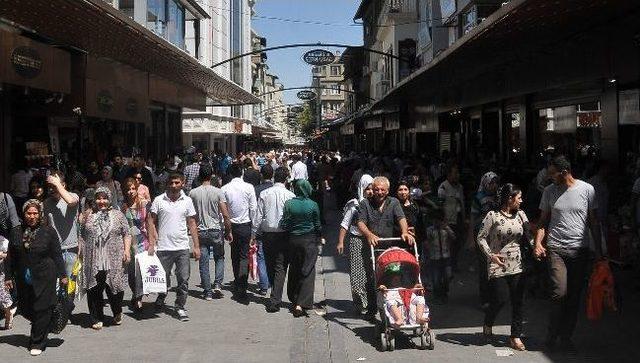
(35, 352)
(263, 292)
(182, 315)
(217, 292)
(207, 295)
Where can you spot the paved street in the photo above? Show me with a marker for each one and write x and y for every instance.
(223, 330)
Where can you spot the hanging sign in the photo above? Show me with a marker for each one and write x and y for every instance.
(26, 62)
(306, 95)
(319, 57)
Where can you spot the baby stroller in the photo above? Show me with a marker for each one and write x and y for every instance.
(381, 259)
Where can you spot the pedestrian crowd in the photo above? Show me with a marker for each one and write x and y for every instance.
(269, 206)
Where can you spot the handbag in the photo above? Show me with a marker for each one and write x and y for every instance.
(62, 311)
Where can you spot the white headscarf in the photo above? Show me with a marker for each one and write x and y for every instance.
(365, 181)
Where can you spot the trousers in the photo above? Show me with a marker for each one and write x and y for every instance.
(95, 301)
(495, 290)
(239, 256)
(275, 246)
(180, 259)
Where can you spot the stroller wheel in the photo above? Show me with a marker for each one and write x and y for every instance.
(392, 343)
(424, 340)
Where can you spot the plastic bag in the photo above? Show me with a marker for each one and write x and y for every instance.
(253, 262)
(72, 285)
(62, 311)
(601, 292)
(152, 274)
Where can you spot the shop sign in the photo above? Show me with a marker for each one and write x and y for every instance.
(629, 107)
(237, 127)
(26, 62)
(319, 57)
(132, 106)
(347, 129)
(105, 101)
(390, 125)
(306, 95)
(373, 124)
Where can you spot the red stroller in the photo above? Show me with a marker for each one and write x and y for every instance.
(381, 258)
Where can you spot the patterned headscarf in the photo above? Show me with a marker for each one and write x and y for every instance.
(108, 169)
(103, 190)
(101, 218)
(487, 178)
(29, 232)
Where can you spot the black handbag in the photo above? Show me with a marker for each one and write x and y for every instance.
(62, 311)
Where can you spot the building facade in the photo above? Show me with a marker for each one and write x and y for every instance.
(329, 81)
(116, 84)
(226, 34)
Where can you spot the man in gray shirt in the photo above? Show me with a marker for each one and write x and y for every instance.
(567, 211)
(212, 214)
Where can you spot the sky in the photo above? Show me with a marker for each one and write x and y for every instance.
(287, 63)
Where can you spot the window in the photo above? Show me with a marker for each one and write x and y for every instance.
(335, 89)
(236, 14)
(156, 16)
(469, 19)
(126, 6)
(175, 25)
(335, 70)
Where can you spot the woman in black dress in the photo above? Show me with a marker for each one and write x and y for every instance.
(35, 265)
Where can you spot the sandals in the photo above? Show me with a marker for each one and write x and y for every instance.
(97, 326)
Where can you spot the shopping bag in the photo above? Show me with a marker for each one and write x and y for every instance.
(72, 285)
(253, 261)
(601, 292)
(62, 311)
(152, 274)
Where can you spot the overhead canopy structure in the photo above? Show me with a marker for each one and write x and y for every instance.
(520, 35)
(97, 28)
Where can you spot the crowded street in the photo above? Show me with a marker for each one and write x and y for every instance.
(319, 181)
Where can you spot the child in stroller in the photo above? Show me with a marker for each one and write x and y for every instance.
(403, 306)
(401, 299)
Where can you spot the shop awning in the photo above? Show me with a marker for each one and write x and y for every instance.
(521, 30)
(102, 31)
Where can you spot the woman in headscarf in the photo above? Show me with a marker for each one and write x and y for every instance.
(113, 185)
(106, 250)
(301, 218)
(135, 209)
(35, 265)
(357, 253)
(485, 200)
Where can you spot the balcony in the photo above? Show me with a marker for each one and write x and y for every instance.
(398, 11)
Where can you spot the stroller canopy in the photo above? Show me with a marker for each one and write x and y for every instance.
(397, 255)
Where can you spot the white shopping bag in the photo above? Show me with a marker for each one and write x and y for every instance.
(154, 279)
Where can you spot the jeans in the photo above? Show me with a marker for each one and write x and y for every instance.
(180, 259)
(567, 273)
(211, 241)
(262, 268)
(515, 285)
(276, 246)
(239, 256)
(69, 257)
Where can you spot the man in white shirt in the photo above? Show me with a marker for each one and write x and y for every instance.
(274, 240)
(451, 192)
(298, 168)
(242, 204)
(174, 214)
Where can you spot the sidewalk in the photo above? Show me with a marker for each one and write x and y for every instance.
(458, 324)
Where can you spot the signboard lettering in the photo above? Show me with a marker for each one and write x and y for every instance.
(319, 57)
(306, 95)
(26, 62)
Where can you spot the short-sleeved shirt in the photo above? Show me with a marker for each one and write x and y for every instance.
(381, 223)
(62, 218)
(206, 200)
(172, 221)
(569, 210)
